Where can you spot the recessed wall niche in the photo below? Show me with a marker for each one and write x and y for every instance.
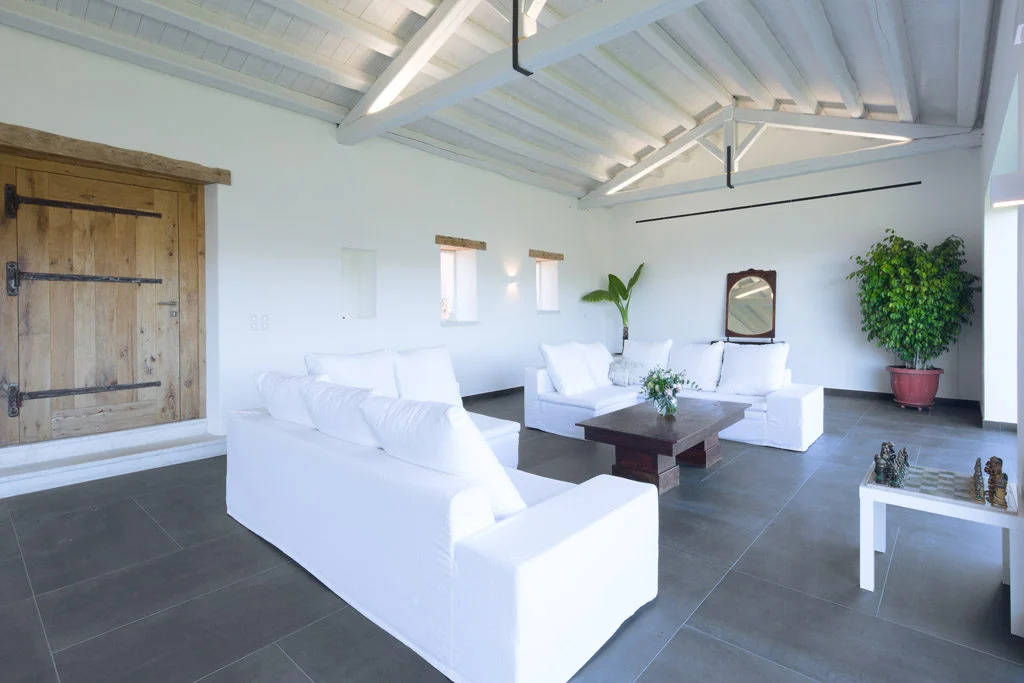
(358, 284)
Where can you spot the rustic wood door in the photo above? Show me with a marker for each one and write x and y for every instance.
(93, 334)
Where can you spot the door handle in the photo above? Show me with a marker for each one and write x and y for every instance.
(167, 303)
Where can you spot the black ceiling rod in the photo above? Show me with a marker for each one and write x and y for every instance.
(515, 40)
(728, 167)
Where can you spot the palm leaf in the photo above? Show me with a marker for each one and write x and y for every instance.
(600, 295)
(636, 277)
(616, 287)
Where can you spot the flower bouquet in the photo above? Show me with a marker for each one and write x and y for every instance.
(663, 387)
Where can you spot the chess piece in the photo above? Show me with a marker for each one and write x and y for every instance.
(900, 466)
(978, 483)
(997, 490)
(994, 466)
(879, 469)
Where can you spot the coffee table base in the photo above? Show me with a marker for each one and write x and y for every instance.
(704, 454)
(663, 470)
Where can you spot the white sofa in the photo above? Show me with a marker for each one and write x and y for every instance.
(528, 599)
(791, 417)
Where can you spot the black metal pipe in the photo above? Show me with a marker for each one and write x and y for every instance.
(515, 40)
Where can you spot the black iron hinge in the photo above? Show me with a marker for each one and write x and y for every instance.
(13, 201)
(14, 277)
(15, 397)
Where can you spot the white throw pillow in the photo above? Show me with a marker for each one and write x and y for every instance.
(335, 412)
(427, 375)
(753, 369)
(627, 373)
(649, 354)
(702, 363)
(567, 365)
(599, 360)
(282, 396)
(374, 370)
(442, 437)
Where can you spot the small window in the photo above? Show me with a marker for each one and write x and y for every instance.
(547, 285)
(458, 285)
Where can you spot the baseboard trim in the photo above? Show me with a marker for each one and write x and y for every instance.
(883, 396)
(997, 426)
(496, 394)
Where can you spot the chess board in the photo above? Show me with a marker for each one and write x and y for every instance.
(941, 483)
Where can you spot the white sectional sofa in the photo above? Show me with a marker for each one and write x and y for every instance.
(782, 414)
(526, 599)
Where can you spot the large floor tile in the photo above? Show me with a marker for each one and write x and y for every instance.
(579, 463)
(710, 524)
(24, 656)
(683, 581)
(346, 647)
(695, 657)
(191, 514)
(203, 635)
(13, 581)
(67, 548)
(269, 665)
(95, 606)
(829, 642)
(8, 540)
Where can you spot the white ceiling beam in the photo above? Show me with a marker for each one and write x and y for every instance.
(705, 38)
(86, 35)
(464, 155)
(482, 130)
(321, 13)
(891, 33)
(659, 157)
(678, 57)
(712, 149)
(586, 30)
(417, 53)
(772, 55)
(819, 31)
(220, 29)
(840, 125)
(641, 88)
(974, 18)
(753, 136)
(789, 170)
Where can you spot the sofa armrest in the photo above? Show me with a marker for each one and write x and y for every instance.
(796, 416)
(538, 381)
(537, 594)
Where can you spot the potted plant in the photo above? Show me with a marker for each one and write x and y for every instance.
(663, 386)
(618, 294)
(914, 301)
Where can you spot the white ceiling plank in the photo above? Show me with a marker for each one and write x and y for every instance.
(640, 87)
(891, 33)
(678, 57)
(420, 7)
(417, 53)
(467, 156)
(478, 128)
(659, 157)
(62, 27)
(974, 19)
(819, 32)
(773, 57)
(469, 31)
(330, 17)
(789, 170)
(699, 32)
(583, 31)
(894, 130)
(234, 34)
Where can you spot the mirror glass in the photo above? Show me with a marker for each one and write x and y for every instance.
(751, 307)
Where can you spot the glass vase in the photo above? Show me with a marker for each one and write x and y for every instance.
(666, 406)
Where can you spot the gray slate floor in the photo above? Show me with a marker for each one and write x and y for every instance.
(144, 578)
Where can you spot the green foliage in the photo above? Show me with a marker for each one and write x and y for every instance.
(617, 293)
(914, 300)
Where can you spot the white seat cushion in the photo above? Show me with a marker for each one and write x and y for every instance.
(493, 427)
(599, 360)
(282, 396)
(335, 412)
(753, 369)
(649, 354)
(757, 403)
(535, 489)
(374, 370)
(600, 398)
(427, 375)
(442, 437)
(567, 365)
(702, 363)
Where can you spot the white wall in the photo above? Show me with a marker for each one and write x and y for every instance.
(1001, 78)
(683, 293)
(297, 198)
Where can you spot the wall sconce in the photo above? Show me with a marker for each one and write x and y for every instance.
(1007, 190)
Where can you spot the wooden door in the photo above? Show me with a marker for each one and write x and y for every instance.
(94, 334)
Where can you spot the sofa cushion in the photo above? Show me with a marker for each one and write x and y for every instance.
(427, 375)
(493, 427)
(282, 396)
(753, 369)
(374, 370)
(535, 489)
(567, 365)
(702, 363)
(335, 412)
(442, 437)
(757, 403)
(599, 360)
(627, 373)
(598, 399)
(649, 354)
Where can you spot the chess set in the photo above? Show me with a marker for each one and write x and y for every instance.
(892, 469)
(891, 466)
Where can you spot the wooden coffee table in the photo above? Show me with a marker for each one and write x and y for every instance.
(650, 448)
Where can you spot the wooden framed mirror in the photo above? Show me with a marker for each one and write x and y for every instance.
(750, 304)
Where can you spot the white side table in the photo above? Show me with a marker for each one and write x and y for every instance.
(943, 493)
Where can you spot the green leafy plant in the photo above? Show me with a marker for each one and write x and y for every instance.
(663, 386)
(619, 294)
(914, 300)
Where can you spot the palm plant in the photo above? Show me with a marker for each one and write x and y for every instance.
(619, 294)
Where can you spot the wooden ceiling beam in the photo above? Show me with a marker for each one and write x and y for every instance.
(640, 87)
(584, 31)
(755, 31)
(891, 34)
(974, 22)
(819, 31)
(678, 57)
(896, 131)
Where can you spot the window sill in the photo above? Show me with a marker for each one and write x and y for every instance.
(458, 323)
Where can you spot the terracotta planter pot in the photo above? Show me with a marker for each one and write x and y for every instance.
(914, 388)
